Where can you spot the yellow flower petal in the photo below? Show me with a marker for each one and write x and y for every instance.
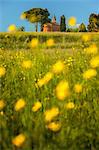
(40, 82)
(2, 104)
(50, 42)
(53, 126)
(78, 88)
(94, 62)
(62, 90)
(89, 73)
(36, 106)
(19, 140)
(34, 43)
(12, 28)
(20, 104)
(92, 49)
(1, 113)
(86, 37)
(2, 71)
(70, 105)
(58, 67)
(48, 76)
(27, 64)
(51, 113)
(72, 21)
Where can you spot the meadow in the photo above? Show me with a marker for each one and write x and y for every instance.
(49, 91)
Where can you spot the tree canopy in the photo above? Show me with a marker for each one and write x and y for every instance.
(36, 15)
(62, 23)
(93, 22)
(82, 28)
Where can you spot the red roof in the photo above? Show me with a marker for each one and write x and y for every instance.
(50, 24)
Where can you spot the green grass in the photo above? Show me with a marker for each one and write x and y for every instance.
(80, 125)
(20, 41)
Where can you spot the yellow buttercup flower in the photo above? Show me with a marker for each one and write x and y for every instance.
(19, 140)
(86, 37)
(70, 59)
(12, 28)
(51, 113)
(78, 88)
(2, 104)
(48, 76)
(40, 82)
(62, 90)
(36, 106)
(2, 71)
(34, 43)
(20, 104)
(72, 21)
(27, 64)
(1, 113)
(92, 49)
(94, 62)
(58, 67)
(89, 73)
(70, 105)
(50, 42)
(53, 126)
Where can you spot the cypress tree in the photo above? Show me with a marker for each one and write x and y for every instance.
(62, 23)
(82, 28)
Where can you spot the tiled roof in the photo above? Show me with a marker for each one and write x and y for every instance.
(50, 24)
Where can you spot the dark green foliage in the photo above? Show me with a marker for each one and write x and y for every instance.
(22, 28)
(62, 24)
(45, 20)
(82, 28)
(72, 30)
(37, 15)
(93, 23)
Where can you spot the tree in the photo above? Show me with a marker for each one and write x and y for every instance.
(45, 19)
(82, 28)
(22, 28)
(36, 15)
(93, 23)
(62, 24)
(72, 30)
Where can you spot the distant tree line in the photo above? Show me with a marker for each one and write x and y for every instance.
(93, 25)
(41, 16)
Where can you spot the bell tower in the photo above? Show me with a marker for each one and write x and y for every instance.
(54, 19)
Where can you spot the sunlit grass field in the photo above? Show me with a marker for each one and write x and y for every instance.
(49, 91)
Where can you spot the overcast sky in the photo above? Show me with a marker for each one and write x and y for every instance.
(10, 10)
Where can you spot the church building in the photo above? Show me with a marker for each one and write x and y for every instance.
(52, 26)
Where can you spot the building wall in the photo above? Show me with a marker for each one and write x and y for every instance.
(55, 28)
(51, 28)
